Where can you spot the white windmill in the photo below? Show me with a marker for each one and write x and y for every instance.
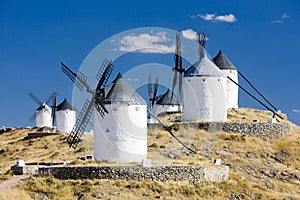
(44, 115)
(120, 117)
(122, 135)
(204, 89)
(167, 103)
(65, 117)
(231, 71)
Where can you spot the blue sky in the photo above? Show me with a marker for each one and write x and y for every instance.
(260, 37)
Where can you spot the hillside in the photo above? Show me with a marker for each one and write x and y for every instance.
(259, 168)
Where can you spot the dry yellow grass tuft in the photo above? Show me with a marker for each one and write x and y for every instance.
(249, 115)
(15, 193)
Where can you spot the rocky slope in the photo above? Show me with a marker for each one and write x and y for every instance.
(260, 168)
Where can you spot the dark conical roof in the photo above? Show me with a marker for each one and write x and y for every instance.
(65, 105)
(167, 99)
(222, 62)
(109, 86)
(120, 92)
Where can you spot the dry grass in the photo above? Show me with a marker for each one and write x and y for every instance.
(15, 193)
(238, 151)
(250, 114)
(119, 189)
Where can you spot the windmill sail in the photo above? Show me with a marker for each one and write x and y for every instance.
(178, 70)
(103, 76)
(35, 99)
(97, 98)
(152, 91)
(33, 116)
(79, 79)
(105, 72)
(155, 91)
(81, 123)
(53, 107)
(103, 67)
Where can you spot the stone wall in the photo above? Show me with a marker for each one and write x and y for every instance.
(262, 130)
(193, 174)
(25, 170)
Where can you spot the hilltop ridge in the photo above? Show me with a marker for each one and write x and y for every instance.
(259, 168)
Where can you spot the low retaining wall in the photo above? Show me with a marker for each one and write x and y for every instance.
(25, 170)
(262, 130)
(196, 175)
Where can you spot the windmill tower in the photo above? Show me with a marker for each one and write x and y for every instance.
(230, 70)
(167, 103)
(44, 115)
(152, 91)
(204, 89)
(122, 134)
(65, 117)
(120, 130)
(178, 72)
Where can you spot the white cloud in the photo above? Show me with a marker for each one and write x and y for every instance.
(207, 17)
(226, 18)
(284, 16)
(145, 43)
(280, 21)
(296, 110)
(277, 22)
(230, 18)
(190, 34)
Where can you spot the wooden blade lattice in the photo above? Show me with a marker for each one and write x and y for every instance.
(81, 123)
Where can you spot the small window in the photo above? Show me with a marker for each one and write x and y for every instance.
(203, 80)
(137, 108)
(107, 130)
(218, 79)
(189, 80)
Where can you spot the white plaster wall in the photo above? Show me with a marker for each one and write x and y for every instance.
(65, 120)
(166, 109)
(44, 118)
(122, 134)
(205, 98)
(232, 89)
